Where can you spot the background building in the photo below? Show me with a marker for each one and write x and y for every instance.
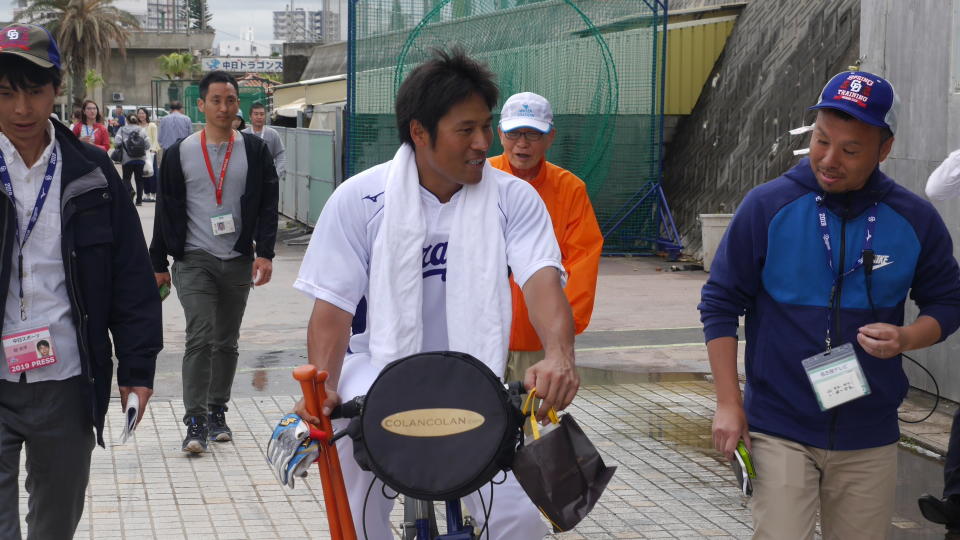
(299, 25)
(246, 46)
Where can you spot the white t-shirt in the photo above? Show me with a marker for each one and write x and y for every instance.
(336, 267)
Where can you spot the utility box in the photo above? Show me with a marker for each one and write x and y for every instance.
(712, 227)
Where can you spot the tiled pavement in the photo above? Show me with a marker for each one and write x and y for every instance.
(669, 483)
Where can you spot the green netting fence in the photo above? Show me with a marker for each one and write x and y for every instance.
(188, 91)
(596, 61)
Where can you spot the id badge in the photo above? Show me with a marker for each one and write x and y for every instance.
(222, 224)
(29, 349)
(836, 376)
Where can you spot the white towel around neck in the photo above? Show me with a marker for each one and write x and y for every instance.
(478, 300)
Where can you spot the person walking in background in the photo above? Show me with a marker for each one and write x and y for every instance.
(117, 120)
(527, 132)
(76, 119)
(238, 123)
(91, 129)
(150, 180)
(258, 127)
(217, 217)
(133, 142)
(173, 127)
(944, 184)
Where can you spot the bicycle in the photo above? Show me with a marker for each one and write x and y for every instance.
(413, 417)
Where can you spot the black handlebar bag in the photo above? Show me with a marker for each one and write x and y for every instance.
(436, 426)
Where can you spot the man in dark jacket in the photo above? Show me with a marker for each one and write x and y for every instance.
(218, 197)
(821, 261)
(74, 273)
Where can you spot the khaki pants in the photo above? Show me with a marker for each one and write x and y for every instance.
(518, 362)
(853, 489)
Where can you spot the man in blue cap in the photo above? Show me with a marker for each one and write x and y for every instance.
(821, 261)
(76, 289)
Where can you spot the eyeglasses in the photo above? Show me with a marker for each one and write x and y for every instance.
(531, 136)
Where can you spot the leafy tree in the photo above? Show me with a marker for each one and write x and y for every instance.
(197, 14)
(85, 31)
(178, 65)
(92, 79)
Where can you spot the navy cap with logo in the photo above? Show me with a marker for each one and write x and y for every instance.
(864, 96)
(31, 42)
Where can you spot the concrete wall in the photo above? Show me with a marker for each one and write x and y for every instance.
(775, 63)
(132, 75)
(296, 57)
(915, 45)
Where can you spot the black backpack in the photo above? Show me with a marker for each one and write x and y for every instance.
(134, 144)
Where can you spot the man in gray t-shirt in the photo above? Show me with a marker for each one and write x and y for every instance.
(258, 127)
(217, 216)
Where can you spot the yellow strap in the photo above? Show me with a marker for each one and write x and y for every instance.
(528, 410)
(534, 428)
(528, 403)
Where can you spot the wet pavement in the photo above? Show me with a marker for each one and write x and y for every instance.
(646, 403)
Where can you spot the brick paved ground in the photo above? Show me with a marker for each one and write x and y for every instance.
(668, 484)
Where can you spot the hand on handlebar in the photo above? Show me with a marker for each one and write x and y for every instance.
(556, 381)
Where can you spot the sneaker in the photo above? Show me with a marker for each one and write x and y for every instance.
(196, 439)
(217, 420)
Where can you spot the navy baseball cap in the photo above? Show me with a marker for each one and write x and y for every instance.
(31, 42)
(864, 96)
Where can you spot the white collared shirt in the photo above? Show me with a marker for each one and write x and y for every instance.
(45, 294)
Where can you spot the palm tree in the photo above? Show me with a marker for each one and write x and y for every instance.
(176, 66)
(85, 30)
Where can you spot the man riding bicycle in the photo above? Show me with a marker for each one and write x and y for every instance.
(429, 239)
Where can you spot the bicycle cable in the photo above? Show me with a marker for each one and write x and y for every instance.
(363, 515)
(486, 511)
(868, 276)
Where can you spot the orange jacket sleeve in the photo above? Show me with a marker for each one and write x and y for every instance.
(580, 249)
(581, 243)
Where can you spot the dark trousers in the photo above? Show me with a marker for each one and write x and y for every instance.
(136, 170)
(150, 182)
(951, 468)
(213, 293)
(53, 420)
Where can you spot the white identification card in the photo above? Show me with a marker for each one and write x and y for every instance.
(223, 224)
(836, 376)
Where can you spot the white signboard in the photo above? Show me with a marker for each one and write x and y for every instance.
(242, 64)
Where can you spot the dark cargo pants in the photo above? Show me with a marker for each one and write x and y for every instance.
(213, 293)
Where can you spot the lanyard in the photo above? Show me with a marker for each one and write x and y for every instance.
(828, 247)
(223, 168)
(37, 207)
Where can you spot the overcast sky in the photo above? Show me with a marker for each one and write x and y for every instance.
(231, 18)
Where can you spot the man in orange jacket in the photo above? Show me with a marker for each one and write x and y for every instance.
(526, 132)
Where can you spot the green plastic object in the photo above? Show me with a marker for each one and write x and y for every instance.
(598, 62)
(164, 291)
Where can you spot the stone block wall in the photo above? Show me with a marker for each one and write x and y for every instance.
(774, 65)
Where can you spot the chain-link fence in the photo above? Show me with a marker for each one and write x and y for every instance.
(596, 61)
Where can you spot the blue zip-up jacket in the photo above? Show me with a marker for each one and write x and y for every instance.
(772, 266)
